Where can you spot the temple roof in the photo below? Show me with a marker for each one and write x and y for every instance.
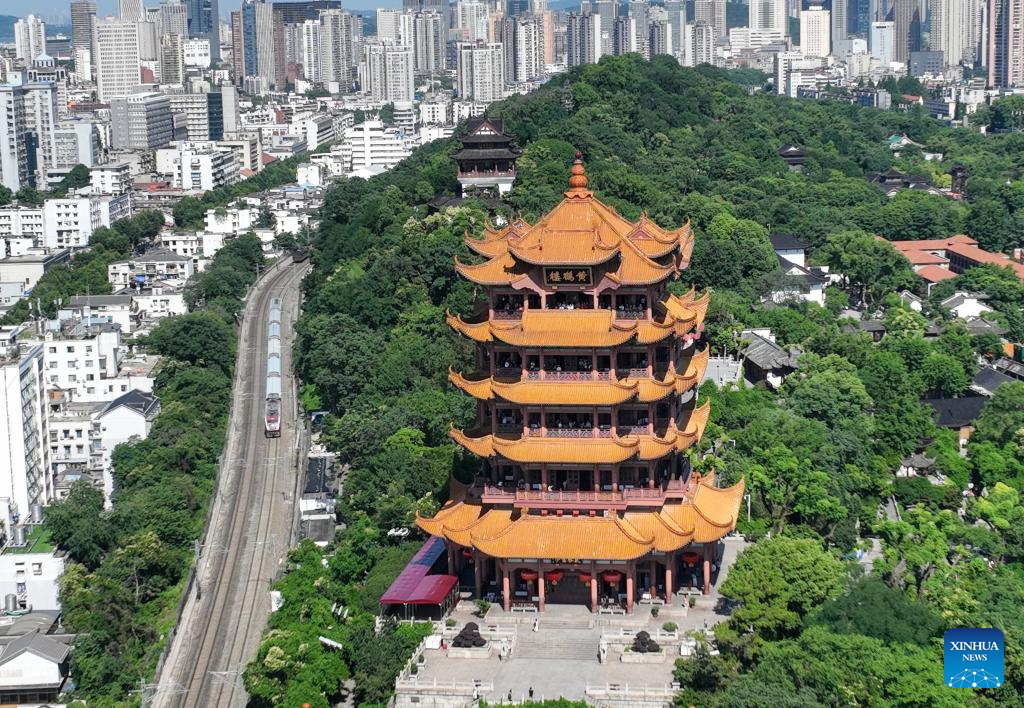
(586, 393)
(586, 328)
(586, 451)
(580, 231)
(707, 516)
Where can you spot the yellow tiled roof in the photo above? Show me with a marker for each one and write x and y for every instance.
(583, 393)
(694, 373)
(708, 516)
(582, 328)
(694, 429)
(582, 231)
(533, 536)
(500, 270)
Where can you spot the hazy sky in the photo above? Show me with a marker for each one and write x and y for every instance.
(59, 9)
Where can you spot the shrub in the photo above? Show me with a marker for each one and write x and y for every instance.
(670, 626)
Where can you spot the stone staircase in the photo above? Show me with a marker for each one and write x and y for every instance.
(553, 644)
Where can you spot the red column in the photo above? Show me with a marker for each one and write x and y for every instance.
(629, 590)
(478, 574)
(593, 593)
(506, 590)
(707, 570)
(670, 562)
(540, 592)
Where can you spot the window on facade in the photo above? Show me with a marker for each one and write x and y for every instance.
(37, 569)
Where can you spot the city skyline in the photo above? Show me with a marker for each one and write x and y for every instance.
(59, 11)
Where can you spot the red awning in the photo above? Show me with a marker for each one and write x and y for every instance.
(414, 585)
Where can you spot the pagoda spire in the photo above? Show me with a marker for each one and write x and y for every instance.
(578, 181)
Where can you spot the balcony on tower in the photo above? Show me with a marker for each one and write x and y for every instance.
(487, 159)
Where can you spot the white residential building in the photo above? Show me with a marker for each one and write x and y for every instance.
(24, 457)
(816, 31)
(111, 179)
(198, 166)
(374, 147)
(70, 221)
(337, 47)
(386, 73)
(117, 58)
(141, 121)
(768, 15)
(22, 222)
(230, 221)
(30, 571)
(156, 265)
(197, 52)
(481, 71)
(14, 162)
(882, 42)
(389, 24)
(29, 37)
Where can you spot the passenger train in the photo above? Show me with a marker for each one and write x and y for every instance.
(272, 414)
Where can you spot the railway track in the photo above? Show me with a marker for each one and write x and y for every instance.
(250, 525)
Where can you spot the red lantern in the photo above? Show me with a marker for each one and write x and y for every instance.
(467, 553)
(554, 576)
(612, 576)
(529, 575)
(691, 558)
(585, 578)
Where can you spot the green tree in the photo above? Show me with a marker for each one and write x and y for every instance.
(78, 525)
(1002, 419)
(195, 338)
(789, 486)
(873, 609)
(777, 582)
(869, 267)
(943, 375)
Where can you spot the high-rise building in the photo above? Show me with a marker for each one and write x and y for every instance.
(840, 20)
(204, 22)
(640, 12)
(258, 57)
(675, 15)
(203, 114)
(386, 72)
(711, 12)
(309, 50)
(237, 47)
(117, 58)
(172, 59)
(29, 37)
(425, 32)
(906, 17)
(659, 39)
(583, 38)
(25, 478)
(337, 48)
(623, 35)
(481, 71)
(551, 458)
(141, 121)
(703, 44)
(41, 117)
(815, 32)
(83, 17)
(472, 21)
(174, 17)
(389, 24)
(768, 15)
(882, 42)
(1005, 51)
(14, 149)
(131, 10)
(523, 40)
(607, 10)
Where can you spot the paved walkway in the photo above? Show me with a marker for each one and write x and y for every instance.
(567, 668)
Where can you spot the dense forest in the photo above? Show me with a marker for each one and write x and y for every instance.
(819, 455)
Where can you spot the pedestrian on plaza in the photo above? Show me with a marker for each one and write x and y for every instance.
(531, 693)
(510, 695)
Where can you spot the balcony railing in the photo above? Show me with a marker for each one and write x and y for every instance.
(568, 375)
(624, 430)
(631, 314)
(533, 495)
(570, 433)
(508, 314)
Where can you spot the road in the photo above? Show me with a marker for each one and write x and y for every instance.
(250, 523)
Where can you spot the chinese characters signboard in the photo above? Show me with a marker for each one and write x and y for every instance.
(568, 276)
